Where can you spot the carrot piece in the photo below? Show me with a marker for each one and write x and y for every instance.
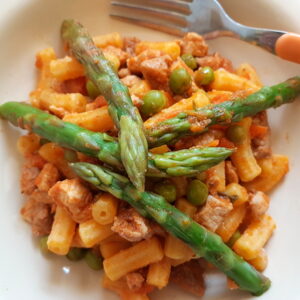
(224, 142)
(258, 131)
(220, 98)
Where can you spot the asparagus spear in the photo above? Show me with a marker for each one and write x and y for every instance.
(106, 148)
(203, 242)
(194, 122)
(133, 143)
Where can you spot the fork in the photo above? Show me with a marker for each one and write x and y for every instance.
(206, 17)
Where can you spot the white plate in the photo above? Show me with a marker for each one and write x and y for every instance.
(30, 25)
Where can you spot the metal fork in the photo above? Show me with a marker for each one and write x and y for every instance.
(206, 17)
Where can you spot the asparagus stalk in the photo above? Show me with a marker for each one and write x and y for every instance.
(203, 242)
(102, 146)
(194, 122)
(133, 143)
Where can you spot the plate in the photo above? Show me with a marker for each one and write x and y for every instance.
(30, 25)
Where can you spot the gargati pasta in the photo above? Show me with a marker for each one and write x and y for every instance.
(165, 80)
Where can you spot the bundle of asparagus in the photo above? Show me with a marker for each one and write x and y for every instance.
(132, 151)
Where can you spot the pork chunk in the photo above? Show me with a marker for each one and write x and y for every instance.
(74, 197)
(231, 173)
(156, 71)
(130, 225)
(261, 146)
(119, 53)
(189, 277)
(259, 204)
(47, 177)
(214, 211)
(135, 281)
(38, 215)
(193, 43)
(134, 63)
(215, 61)
(130, 80)
(27, 180)
(129, 44)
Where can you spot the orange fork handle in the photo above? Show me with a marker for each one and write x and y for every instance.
(288, 47)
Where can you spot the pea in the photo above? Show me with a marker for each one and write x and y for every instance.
(189, 60)
(234, 238)
(76, 254)
(197, 192)
(93, 261)
(43, 244)
(92, 90)
(70, 155)
(236, 134)
(153, 102)
(166, 190)
(180, 81)
(204, 76)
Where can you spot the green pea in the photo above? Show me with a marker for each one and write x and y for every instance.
(93, 261)
(92, 90)
(197, 192)
(70, 155)
(236, 134)
(153, 102)
(180, 81)
(166, 190)
(189, 60)
(234, 238)
(43, 244)
(204, 76)
(76, 254)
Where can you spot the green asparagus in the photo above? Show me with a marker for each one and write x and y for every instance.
(194, 122)
(203, 242)
(133, 143)
(100, 145)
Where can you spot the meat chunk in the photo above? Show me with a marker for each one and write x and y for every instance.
(30, 170)
(156, 71)
(76, 85)
(129, 44)
(135, 281)
(193, 43)
(261, 145)
(47, 177)
(230, 173)
(134, 63)
(38, 215)
(189, 277)
(41, 197)
(214, 211)
(203, 140)
(130, 225)
(119, 53)
(215, 61)
(27, 180)
(124, 72)
(130, 80)
(74, 197)
(259, 204)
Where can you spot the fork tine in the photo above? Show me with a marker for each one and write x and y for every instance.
(170, 5)
(159, 13)
(174, 30)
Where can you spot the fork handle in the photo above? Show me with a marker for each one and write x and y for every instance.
(288, 47)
